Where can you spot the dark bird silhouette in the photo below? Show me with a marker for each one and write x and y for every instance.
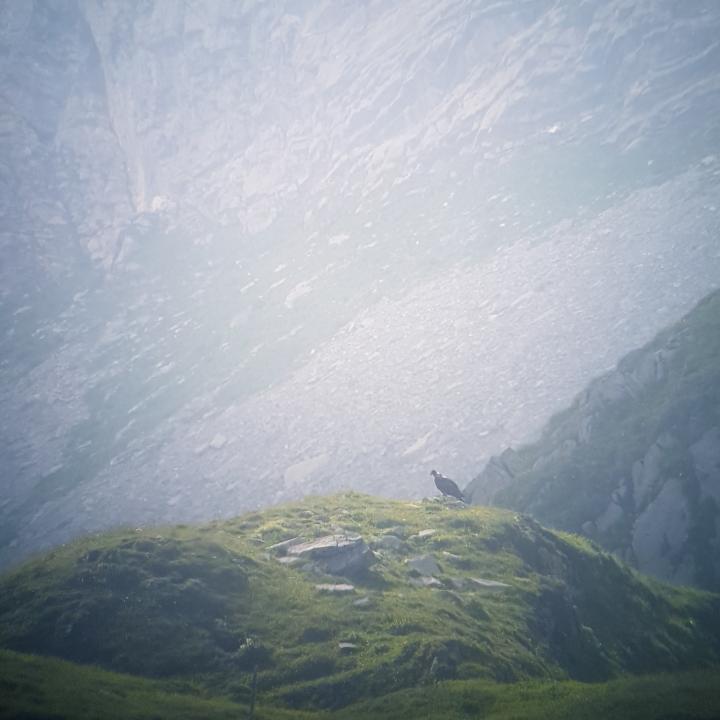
(447, 486)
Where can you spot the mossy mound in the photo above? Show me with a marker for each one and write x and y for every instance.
(499, 599)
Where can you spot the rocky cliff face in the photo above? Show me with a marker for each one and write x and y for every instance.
(634, 463)
(252, 250)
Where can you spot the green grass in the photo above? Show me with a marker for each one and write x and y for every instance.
(38, 688)
(683, 696)
(205, 605)
(35, 688)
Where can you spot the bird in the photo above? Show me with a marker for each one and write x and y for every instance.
(447, 486)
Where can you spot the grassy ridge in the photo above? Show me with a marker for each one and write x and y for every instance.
(35, 688)
(206, 605)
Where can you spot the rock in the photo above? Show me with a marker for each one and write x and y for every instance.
(457, 582)
(283, 546)
(495, 476)
(451, 556)
(424, 581)
(612, 514)
(218, 442)
(706, 459)
(426, 533)
(660, 532)
(362, 602)
(347, 647)
(335, 554)
(423, 565)
(647, 472)
(388, 542)
(288, 560)
(585, 430)
(491, 585)
(339, 589)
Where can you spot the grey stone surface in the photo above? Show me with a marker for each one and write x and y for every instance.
(660, 533)
(423, 564)
(425, 581)
(451, 556)
(389, 542)
(335, 554)
(490, 585)
(335, 589)
(284, 545)
(426, 533)
(706, 459)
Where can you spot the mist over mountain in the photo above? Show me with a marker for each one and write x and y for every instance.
(634, 462)
(250, 251)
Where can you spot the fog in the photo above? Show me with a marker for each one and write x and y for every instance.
(251, 251)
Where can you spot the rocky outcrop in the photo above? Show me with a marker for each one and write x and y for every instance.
(660, 534)
(423, 565)
(335, 554)
(388, 542)
(634, 463)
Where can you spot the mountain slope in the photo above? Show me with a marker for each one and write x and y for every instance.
(635, 461)
(297, 247)
(450, 592)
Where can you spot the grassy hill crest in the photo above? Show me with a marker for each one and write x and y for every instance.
(453, 593)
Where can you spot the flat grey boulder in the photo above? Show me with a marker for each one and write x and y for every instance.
(335, 554)
(282, 547)
(451, 556)
(388, 542)
(340, 588)
(425, 581)
(425, 533)
(423, 565)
